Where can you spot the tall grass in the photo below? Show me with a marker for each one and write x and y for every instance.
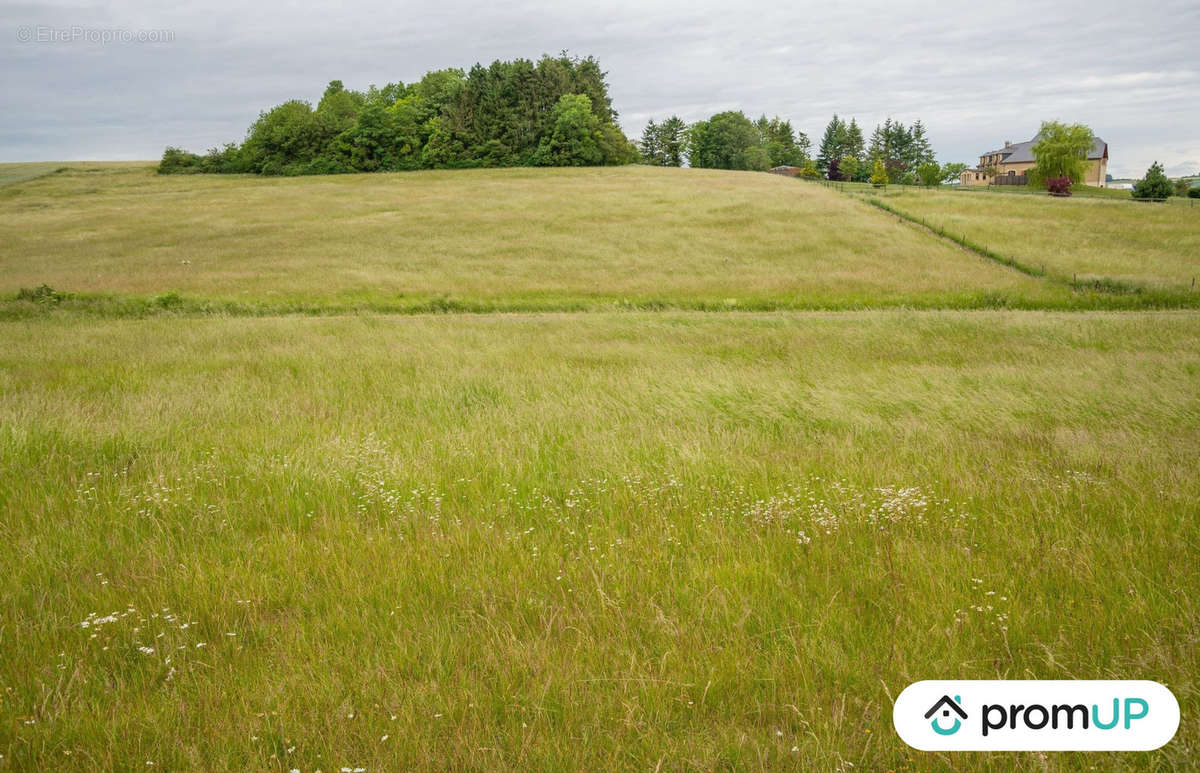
(587, 541)
(505, 239)
(1076, 240)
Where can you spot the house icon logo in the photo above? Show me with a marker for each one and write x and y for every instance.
(945, 706)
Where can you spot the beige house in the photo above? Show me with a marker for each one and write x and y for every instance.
(1011, 162)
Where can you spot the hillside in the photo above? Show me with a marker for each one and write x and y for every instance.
(505, 239)
(1151, 245)
(667, 516)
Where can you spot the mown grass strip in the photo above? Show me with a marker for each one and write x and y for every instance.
(45, 302)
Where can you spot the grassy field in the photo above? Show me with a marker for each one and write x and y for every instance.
(594, 539)
(509, 239)
(11, 174)
(1143, 245)
(705, 540)
(1077, 192)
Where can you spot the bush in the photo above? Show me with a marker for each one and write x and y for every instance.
(848, 167)
(1059, 186)
(179, 161)
(930, 174)
(879, 175)
(1154, 185)
(41, 294)
(835, 171)
(809, 170)
(1194, 193)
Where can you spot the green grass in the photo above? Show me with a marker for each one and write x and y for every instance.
(592, 541)
(1147, 246)
(254, 521)
(513, 239)
(11, 174)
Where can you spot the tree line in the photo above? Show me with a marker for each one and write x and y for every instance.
(730, 140)
(553, 112)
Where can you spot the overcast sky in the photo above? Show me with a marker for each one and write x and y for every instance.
(975, 74)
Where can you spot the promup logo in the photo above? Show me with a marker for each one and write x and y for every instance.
(948, 704)
(1036, 715)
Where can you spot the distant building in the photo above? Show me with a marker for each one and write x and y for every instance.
(1012, 161)
(790, 171)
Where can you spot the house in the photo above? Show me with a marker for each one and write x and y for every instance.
(1012, 161)
(790, 171)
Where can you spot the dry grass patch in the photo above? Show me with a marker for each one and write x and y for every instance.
(550, 238)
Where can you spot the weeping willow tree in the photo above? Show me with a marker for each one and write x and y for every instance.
(1060, 151)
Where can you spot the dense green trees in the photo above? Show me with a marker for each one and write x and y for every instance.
(730, 140)
(664, 144)
(783, 144)
(721, 142)
(580, 138)
(555, 111)
(842, 141)
(902, 149)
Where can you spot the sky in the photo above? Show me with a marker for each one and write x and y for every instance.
(122, 79)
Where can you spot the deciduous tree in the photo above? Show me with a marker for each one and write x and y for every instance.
(1060, 150)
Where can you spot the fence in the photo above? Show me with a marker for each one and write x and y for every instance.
(1011, 178)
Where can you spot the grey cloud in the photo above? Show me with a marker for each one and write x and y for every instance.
(975, 76)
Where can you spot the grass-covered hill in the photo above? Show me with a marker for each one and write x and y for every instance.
(534, 239)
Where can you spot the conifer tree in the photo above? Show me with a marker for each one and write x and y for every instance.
(1154, 185)
(651, 152)
(831, 143)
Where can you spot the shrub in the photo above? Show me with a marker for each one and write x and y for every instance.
(41, 294)
(809, 169)
(1059, 186)
(1194, 193)
(178, 161)
(1154, 185)
(879, 175)
(835, 171)
(930, 174)
(848, 167)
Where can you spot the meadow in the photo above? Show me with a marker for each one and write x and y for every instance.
(594, 539)
(1146, 245)
(508, 239)
(11, 174)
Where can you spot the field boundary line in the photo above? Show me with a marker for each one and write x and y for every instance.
(1103, 285)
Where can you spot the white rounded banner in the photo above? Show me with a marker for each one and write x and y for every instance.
(1036, 715)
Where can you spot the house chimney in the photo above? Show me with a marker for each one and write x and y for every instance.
(1007, 144)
